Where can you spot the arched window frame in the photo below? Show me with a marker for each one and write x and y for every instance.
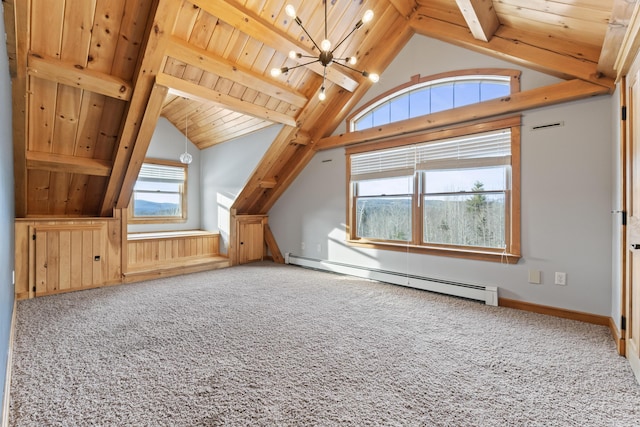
(417, 82)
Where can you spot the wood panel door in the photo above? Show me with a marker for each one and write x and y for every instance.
(67, 258)
(250, 235)
(631, 294)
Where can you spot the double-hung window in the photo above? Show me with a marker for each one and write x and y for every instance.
(159, 194)
(457, 195)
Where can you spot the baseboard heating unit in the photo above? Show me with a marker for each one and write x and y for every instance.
(487, 294)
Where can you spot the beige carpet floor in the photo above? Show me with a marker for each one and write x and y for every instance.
(273, 345)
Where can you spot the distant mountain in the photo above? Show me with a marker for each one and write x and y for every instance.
(147, 208)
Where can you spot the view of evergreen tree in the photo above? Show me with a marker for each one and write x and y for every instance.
(466, 220)
(474, 218)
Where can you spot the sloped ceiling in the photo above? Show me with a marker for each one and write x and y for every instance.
(91, 78)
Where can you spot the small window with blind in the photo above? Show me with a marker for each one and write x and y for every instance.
(159, 194)
(456, 196)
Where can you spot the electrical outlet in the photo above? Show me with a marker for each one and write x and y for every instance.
(561, 278)
(302, 246)
(319, 247)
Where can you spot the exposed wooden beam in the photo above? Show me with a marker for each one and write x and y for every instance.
(202, 94)
(511, 45)
(621, 14)
(77, 76)
(10, 31)
(404, 7)
(301, 137)
(268, 183)
(629, 45)
(272, 244)
(139, 152)
(481, 18)
(20, 39)
(540, 97)
(205, 60)
(68, 164)
(254, 26)
(158, 30)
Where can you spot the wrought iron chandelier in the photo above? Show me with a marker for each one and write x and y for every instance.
(325, 57)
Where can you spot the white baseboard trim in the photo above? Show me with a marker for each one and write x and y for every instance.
(6, 398)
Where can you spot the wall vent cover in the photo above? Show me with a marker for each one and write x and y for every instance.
(547, 125)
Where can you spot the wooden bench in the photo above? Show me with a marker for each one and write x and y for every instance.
(160, 254)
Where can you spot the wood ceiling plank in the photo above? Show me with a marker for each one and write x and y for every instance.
(104, 35)
(186, 20)
(109, 128)
(595, 11)
(517, 102)
(236, 134)
(560, 27)
(132, 33)
(47, 20)
(481, 18)
(66, 163)
(74, 75)
(192, 91)
(77, 194)
(254, 26)
(513, 46)
(201, 58)
(42, 109)
(76, 34)
(613, 41)
(160, 26)
(90, 113)
(38, 195)
(67, 116)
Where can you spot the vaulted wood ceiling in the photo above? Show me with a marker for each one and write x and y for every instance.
(91, 77)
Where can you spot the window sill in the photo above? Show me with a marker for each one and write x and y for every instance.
(479, 255)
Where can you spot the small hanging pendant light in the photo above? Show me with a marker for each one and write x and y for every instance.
(185, 157)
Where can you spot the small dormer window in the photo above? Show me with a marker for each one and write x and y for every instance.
(159, 194)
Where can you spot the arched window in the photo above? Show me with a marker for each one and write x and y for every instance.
(433, 94)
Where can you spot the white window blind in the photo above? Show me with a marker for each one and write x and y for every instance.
(478, 150)
(383, 163)
(161, 173)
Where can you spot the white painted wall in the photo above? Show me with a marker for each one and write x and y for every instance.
(566, 198)
(6, 209)
(226, 168)
(167, 143)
